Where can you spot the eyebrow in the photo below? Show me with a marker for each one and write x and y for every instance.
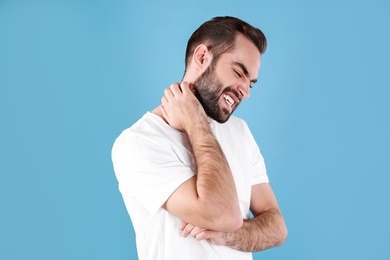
(244, 69)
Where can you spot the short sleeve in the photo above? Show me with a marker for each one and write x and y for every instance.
(148, 170)
(258, 169)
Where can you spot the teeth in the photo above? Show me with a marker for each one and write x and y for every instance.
(229, 100)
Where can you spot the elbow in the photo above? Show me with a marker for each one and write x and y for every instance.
(282, 234)
(234, 224)
(280, 229)
(228, 222)
(222, 219)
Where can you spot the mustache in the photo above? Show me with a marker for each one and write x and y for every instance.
(228, 89)
(234, 91)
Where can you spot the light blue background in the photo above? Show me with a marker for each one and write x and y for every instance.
(74, 74)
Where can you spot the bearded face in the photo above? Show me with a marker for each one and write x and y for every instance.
(209, 91)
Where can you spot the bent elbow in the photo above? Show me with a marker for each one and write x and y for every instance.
(222, 219)
(235, 224)
(229, 223)
(283, 233)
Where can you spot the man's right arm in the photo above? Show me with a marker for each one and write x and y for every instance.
(208, 199)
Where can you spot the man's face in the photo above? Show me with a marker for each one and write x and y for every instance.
(223, 85)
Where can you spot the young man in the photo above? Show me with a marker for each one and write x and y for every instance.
(189, 172)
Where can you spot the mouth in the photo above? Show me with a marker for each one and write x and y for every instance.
(229, 100)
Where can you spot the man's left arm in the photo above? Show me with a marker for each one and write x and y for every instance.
(265, 230)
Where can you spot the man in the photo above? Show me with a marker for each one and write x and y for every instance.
(189, 172)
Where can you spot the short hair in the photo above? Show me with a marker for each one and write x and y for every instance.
(219, 35)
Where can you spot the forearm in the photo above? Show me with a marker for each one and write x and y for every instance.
(215, 184)
(262, 232)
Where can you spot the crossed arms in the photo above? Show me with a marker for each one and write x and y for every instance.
(207, 203)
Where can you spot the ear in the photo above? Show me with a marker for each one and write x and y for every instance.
(202, 57)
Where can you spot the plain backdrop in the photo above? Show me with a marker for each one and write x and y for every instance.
(75, 73)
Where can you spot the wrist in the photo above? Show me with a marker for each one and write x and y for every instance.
(197, 125)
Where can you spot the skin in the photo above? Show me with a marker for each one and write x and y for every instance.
(207, 203)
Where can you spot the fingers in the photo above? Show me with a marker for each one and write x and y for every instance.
(185, 87)
(218, 238)
(180, 108)
(164, 113)
(168, 93)
(196, 231)
(182, 225)
(188, 229)
(175, 89)
(215, 237)
(202, 235)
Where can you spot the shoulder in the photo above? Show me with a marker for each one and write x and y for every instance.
(234, 124)
(144, 130)
(148, 127)
(149, 135)
(236, 121)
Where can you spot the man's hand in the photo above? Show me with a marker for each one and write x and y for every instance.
(180, 108)
(188, 229)
(215, 237)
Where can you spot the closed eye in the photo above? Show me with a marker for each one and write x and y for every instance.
(244, 72)
(238, 74)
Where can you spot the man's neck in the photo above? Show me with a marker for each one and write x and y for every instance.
(157, 111)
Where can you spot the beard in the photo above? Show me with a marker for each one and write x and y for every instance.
(208, 90)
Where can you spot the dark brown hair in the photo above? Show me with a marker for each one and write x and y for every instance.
(219, 36)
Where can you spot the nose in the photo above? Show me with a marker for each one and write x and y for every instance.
(244, 88)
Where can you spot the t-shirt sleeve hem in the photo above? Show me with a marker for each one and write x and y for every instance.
(156, 203)
(259, 180)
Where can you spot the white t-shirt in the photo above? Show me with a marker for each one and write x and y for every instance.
(151, 160)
